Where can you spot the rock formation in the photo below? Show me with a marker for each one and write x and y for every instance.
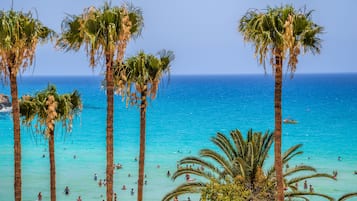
(4, 101)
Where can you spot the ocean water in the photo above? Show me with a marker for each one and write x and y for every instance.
(187, 112)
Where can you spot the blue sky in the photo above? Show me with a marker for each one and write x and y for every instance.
(202, 33)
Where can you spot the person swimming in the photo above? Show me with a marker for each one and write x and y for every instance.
(39, 196)
(187, 177)
(334, 173)
(66, 190)
(95, 177)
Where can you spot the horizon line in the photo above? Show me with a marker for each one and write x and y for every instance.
(218, 74)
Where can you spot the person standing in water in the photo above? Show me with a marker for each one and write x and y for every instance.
(95, 177)
(39, 196)
(66, 190)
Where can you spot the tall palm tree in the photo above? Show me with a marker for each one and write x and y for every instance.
(105, 33)
(19, 36)
(280, 32)
(240, 162)
(144, 72)
(46, 108)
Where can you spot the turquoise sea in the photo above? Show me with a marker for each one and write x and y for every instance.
(188, 111)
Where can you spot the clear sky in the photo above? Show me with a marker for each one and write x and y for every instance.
(202, 33)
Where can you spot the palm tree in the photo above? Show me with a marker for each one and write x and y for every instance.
(144, 72)
(19, 36)
(240, 162)
(105, 33)
(46, 108)
(281, 31)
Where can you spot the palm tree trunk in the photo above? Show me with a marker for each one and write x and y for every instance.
(17, 136)
(109, 140)
(51, 149)
(143, 105)
(278, 129)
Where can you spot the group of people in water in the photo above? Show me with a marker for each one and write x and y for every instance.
(66, 192)
(103, 182)
(176, 199)
(306, 186)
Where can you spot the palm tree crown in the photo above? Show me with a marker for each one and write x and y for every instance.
(238, 164)
(237, 159)
(142, 71)
(102, 31)
(281, 29)
(19, 35)
(48, 107)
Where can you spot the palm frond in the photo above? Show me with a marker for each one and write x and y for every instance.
(347, 196)
(192, 187)
(300, 193)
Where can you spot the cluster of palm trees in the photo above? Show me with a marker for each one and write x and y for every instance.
(278, 34)
(105, 33)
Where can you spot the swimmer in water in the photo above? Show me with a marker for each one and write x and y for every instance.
(39, 196)
(66, 190)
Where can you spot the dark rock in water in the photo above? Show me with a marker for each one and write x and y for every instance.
(4, 101)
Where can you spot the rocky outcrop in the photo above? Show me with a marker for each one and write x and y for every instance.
(4, 101)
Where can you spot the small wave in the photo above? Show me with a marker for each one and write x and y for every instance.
(93, 107)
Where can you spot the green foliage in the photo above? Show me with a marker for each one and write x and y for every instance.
(237, 191)
(235, 170)
(47, 107)
(224, 192)
(238, 160)
(104, 31)
(142, 72)
(19, 35)
(281, 31)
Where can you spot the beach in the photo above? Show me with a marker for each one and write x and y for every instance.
(188, 111)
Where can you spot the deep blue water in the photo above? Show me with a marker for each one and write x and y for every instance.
(187, 112)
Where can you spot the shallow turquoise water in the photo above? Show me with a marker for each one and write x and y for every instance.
(187, 112)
